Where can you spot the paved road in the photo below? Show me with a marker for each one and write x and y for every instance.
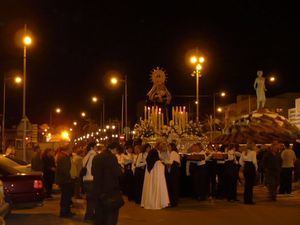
(286, 211)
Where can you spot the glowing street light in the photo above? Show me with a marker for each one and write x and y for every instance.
(114, 80)
(75, 123)
(83, 114)
(201, 59)
(272, 79)
(65, 135)
(193, 60)
(223, 94)
(94, 99)
(199, 67)
(27, 40)
(17, 80)
(219, 109)
(58, 110)
(196, 60)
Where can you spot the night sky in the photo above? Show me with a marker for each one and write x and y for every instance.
(77, 43)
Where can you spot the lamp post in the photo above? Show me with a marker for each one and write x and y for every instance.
(26, 42)
(222, 94)
(198, 62)
(222, 110)
(57, 111)
(115, 81)
(17, 80)
(94, 100)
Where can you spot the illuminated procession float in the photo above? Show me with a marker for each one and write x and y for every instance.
(165, 123)
(162, 122)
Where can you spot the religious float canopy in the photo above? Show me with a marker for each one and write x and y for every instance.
(262, 126)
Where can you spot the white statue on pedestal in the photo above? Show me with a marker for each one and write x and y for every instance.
(259, 86)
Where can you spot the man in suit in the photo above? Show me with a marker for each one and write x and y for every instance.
(64, 180)
(106, 172)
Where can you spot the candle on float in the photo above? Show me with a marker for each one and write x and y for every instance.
(153, 115)
(157, 116)
(149, 114)
(180, 116)
(176, 115)
(159, 120)
(187, 117)
(184, 116)
(173, 113)
(181, 119)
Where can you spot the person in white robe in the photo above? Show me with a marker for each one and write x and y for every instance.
(155, 192)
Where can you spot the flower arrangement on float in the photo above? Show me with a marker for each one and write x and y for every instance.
(191, 134)
(146, 129)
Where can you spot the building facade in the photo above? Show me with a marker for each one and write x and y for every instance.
(294, 113)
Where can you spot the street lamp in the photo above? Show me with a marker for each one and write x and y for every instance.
(83, 114)
(272, 79)
(17, 80)
(197, 61)
(27, 41)
(94, 100)
(75, 123)
(114, 81)
(57, 110)
(221, 94)
(220, 109)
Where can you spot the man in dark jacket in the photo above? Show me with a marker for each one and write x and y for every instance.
(106, 172)
(36, 161)
(272, 167)
(63, 179)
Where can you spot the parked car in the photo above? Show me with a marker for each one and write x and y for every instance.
(12, 162)
(2, 222)
(19, 187)
(19, 161)
(4, 206)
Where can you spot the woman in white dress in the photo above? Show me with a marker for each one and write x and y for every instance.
(139, 173)
(155, 192)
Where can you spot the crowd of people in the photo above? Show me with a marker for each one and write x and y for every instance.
(155, 176)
